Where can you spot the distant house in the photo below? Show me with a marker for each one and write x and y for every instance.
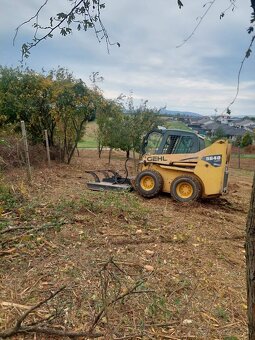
(244, 123)
(233, 132)
(223, 119)
(234, 121)
(199, 124)
(230, 127)
(210, 128)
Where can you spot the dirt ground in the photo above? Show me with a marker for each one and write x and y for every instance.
(132, 268)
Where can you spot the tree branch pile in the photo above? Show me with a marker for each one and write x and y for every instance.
(112, 292)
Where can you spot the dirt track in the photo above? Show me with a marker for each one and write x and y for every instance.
(189, 256)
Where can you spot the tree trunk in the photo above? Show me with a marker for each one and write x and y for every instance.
(134, 160)
(253, 5)
(127, 154)
(99, 149)
(99, 152)
(110, 156)
(250, 264)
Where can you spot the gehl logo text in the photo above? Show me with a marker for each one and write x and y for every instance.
(156, 159)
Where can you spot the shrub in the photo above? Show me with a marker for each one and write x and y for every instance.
(246, 140)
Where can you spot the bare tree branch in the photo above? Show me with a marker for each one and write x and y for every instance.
(247, 54)
(200, 19)
(29, 20)
(232, 6)
(83, 13)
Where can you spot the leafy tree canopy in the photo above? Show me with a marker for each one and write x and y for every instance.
(56, 102)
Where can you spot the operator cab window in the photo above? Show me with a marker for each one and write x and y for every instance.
(153, 143)
(179, 144)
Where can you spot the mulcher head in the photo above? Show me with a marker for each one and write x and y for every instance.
(111, 180)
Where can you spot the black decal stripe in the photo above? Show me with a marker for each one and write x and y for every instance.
(187, 159)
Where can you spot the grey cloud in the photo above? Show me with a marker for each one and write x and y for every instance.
(197, 77)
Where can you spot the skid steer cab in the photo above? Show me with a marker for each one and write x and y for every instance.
(177, 162)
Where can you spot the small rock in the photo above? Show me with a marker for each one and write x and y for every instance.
(187, 322)
(148, 268)
(149, 252)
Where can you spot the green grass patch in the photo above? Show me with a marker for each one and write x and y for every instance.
(9, 200)
(174, 124)
(221, 313)
(89, 140)
(87, 144)
(249, 156)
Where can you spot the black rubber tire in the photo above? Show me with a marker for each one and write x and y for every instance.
(157, 179)
(190, 180)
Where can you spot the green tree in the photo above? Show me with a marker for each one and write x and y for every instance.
(218, 134)
(142, 120)
(137, 121)
(246, 140)
(74, 106)
(238, 141)
(56, 102)
(121, 127)
(109, 119)
(8, 99)
(26, 95)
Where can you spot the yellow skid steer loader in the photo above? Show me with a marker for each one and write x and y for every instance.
(175, 162)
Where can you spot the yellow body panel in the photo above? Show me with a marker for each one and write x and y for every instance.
(209, 166)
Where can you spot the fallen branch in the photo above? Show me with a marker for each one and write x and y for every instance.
(13, 304)
(10, 229)
(52, 331)
(19, 328)
(7, 252)
(234, 237)
(42, 326)
(29, 230)
(130, 291)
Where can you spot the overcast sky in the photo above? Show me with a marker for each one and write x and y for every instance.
(200, 76)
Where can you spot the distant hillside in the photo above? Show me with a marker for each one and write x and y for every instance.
(181, 113)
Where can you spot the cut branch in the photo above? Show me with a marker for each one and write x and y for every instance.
(19, 328)
(200, 19)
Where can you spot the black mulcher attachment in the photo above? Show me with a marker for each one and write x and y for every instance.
(112, 180)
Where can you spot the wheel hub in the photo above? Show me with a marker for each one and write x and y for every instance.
(147, 183)
(184, 190)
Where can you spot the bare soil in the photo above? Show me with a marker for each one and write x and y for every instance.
(186, 261)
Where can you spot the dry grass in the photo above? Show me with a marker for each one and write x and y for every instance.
(188, 258)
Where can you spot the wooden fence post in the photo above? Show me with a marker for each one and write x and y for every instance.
(24, 137)
(239, 157)
(47, 146)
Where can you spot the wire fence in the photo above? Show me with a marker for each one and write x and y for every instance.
(241, 158)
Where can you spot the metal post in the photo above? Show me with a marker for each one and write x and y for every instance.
(24, 136)
(47, 146)
(239, 157)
